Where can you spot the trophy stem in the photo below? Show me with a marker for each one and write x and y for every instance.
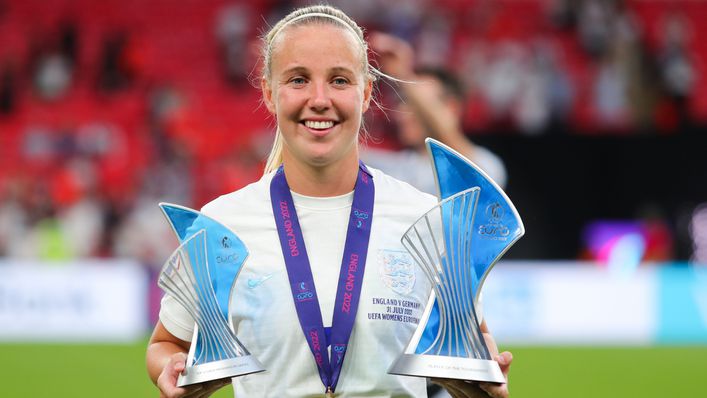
(431, 276)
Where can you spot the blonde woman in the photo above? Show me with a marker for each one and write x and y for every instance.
(321, 223)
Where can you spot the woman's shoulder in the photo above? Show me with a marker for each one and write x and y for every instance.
(245, 199)
(390, 189)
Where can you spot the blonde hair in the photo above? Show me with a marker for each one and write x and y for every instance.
(322, 14)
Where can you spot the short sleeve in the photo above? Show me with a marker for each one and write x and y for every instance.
(176, 319)
(479, 307)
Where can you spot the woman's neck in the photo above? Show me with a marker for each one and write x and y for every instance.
(322, 181)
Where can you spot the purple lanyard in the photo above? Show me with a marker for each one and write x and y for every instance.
(299, 272)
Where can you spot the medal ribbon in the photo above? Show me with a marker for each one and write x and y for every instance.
(299, 272)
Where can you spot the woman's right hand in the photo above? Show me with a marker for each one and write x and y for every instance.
(167, 381)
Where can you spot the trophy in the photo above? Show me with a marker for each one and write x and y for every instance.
(200, 276)
(456, 244)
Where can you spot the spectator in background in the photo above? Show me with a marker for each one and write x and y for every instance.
(52, 61)
(621, 92)
(34, 232)
(677, 68)
(143, 234)
(698, 234)
(8, 88)
(434, 40)
(562, 13)
(56, 218)
(13, 215)
(53, 75)
(79, 211)
(610, 93)
(119, 62)
(501, 78)
(403, 18)
(594, 26)
(433, 105)
(141, 231)
(69, 42)
(233, 25)
(547, 94)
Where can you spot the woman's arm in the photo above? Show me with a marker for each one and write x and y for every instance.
(166, 358)
(163, 345)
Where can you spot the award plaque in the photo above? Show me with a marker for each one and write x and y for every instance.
(200, 276)
(456, 244)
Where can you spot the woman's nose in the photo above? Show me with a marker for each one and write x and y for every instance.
(320, 99)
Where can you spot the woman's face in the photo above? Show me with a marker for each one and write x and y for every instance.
(318, 93)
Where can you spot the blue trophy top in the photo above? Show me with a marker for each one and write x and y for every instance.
(497, 224)
(226, 253)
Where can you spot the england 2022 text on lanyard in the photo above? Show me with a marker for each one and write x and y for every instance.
(299, 272)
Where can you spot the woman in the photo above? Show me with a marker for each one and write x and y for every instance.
(317, 82)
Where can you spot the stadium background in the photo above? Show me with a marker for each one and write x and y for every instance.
(597, 107)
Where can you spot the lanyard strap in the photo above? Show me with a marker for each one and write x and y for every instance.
(299, 272)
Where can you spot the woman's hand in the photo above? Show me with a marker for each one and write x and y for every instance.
(471, 389)
(167, 381)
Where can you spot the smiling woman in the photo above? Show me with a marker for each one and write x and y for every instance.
(318, 103)
(315, 326)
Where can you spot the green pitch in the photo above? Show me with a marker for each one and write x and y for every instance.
(58, 371)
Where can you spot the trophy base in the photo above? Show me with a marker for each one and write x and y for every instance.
(447, 368)
(232, 367)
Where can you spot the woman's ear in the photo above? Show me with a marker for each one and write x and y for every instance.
(367, 92)
(267, 95)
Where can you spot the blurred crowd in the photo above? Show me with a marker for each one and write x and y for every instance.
(107, 108)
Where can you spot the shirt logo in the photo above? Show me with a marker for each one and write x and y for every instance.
(255, 282)
(396, 270)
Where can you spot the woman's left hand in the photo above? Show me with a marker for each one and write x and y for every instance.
(472, 389)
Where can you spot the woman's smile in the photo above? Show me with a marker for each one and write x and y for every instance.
(319, 128)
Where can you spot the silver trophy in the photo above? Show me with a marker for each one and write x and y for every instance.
(204, 290)
(456, 244)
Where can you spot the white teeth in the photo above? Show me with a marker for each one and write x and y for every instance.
(319, 125)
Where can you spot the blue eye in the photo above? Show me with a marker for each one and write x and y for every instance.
(340, 81)
(298, 80)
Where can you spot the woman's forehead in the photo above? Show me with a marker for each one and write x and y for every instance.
(323, 27)
(315, 43)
